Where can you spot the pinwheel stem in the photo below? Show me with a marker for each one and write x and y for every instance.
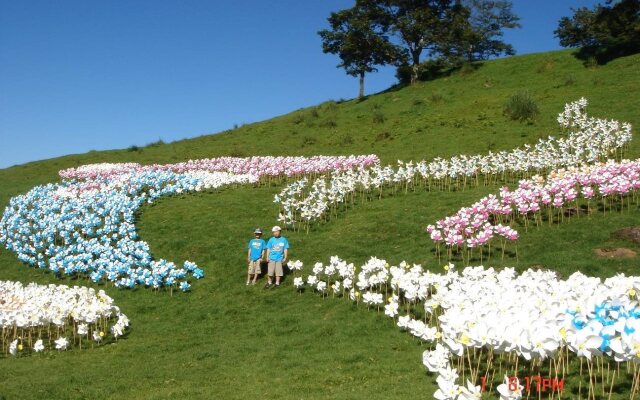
(602, 380)
(592, 393)
(580, 381)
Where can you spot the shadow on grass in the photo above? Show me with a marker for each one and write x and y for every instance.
(592, 56)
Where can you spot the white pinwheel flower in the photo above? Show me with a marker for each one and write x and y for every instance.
(38, 346)
(391, 309)
(97, 336)
(347, 283)
(544, 341)
(437, 359)
(83, 329)
(403, 322)
(337, 286)
(61, 343)
(298, 282)
(321, 286)
(295, 265)
(454, 346)
(317, 268)
(510, 389)
(117, 330)
(447, 390)
(13, 347)
(585, 343)
(470, 392)
(447, 387)
(372, 298)
(123, 320)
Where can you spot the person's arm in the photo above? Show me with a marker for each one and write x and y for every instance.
(286, 251)
(268, 249)
(249, 255)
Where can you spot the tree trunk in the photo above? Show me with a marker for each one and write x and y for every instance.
(415, 57)
(414, 74)
(361, 95)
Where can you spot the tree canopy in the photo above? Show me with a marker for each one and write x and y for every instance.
(604, 32)
(359, 42)
(407, 32)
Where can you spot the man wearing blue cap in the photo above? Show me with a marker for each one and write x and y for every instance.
(255, 255)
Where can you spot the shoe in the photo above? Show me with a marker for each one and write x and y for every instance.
(247, 283)
(277, 285)
(253, 283)
(268, 285)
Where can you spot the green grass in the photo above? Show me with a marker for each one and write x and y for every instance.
(225, 340)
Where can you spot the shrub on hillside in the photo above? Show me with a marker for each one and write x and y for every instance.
(157, 143)
(378, 117)
(436, 97)
(521, 107)
(329, 123)
(308, 141)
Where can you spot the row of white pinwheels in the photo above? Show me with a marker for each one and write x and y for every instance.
(85, 224)
(37, 318)
(492, 217)
(589, 140)
(483, 324)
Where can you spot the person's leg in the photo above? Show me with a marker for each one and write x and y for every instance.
(279, 272)
(249, 271)
(256, 271)
(270, 272)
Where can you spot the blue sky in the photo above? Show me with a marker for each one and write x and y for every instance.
(93, 75)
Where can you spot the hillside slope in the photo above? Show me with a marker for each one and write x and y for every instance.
(452, 115)
(226, 340)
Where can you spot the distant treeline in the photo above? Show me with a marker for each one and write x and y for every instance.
(427, 38)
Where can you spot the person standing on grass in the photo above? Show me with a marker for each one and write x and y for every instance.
(255, 255)
(277, 253)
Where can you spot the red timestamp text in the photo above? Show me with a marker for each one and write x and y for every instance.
(528, 383)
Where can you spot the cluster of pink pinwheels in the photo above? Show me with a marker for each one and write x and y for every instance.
(490, 217)
(257, 166)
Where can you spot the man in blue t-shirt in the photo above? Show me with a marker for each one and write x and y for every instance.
(277, 254)
(255, 255)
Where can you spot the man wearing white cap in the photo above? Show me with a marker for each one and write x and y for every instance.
(277, 253)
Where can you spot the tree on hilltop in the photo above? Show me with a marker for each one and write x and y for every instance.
(359, 41)
(403, 32)
(418, 25)
(477, 30)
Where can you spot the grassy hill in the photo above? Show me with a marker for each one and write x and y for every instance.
(225, 340)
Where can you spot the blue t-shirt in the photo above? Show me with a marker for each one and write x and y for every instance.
(276, 248)
(256, 246)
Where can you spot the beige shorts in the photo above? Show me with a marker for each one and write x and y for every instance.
(254, 267)
(275, 267)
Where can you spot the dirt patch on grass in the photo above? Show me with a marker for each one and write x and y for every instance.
(619, 252)
(631, 234)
